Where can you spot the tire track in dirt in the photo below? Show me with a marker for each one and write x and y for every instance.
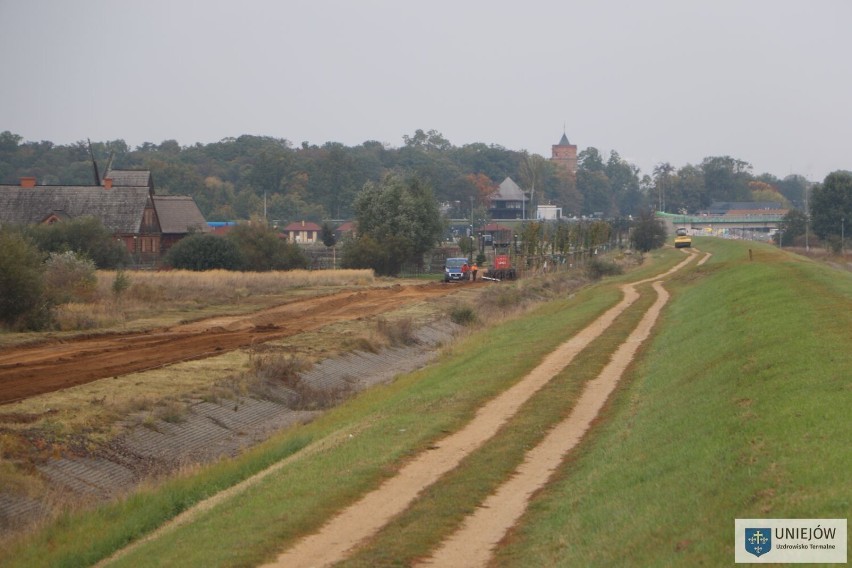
(339, 536)
(33, 370)
(473, 543)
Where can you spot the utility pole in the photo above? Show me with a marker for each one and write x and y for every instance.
(807, 217)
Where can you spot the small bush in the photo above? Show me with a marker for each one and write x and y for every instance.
(507, 297)
(120, 283)
(597, 269)
(69, 277)
(205, 252)
(362, 343)
(171, 411)
(278, 368)
(22, 301)
(463, 315)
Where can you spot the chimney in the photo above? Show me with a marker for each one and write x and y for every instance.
(303, 222)
(107, 183)
(28, 182)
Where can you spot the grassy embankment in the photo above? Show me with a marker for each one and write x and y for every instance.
(737, 409)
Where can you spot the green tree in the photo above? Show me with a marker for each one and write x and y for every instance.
(726, 178)
(327, 235)
(648, 233)
(591, 160)
(432, 140)
(262, 249)
(792, 226)
(596, 190)
(204, 252)
(831, 205)
(86, 236)
(385, 258)
(402, 216)
(793, 187)
(688, 191)
(22, 300)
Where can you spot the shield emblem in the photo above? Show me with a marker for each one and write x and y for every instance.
(758, 541)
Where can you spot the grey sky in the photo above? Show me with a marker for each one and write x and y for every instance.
(765, 81)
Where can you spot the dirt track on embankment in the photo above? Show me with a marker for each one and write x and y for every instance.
(473, 542)
(32, 370)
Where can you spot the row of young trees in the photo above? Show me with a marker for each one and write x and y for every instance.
(237, 178)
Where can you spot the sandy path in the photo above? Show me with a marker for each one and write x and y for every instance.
(473, 543)
(336, 539)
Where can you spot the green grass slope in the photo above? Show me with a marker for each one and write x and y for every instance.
(739, 408)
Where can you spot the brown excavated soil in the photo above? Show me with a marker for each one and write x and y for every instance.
(33, 370)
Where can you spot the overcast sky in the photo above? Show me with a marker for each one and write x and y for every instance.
(765, 81)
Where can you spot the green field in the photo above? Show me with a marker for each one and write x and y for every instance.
(738, 407)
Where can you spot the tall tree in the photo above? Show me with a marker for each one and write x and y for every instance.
(533, 170)
(663, 184)
(399, 215)
(726, 178)
(831, 205)
(648, 233)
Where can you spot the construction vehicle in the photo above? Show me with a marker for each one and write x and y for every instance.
(682, 238)
(501, 269)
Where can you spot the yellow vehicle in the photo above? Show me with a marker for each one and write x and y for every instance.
(682, 238)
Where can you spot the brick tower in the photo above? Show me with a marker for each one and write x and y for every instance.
(564, 155)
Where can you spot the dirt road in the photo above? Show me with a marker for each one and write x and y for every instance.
(472, 544)
(29, 371)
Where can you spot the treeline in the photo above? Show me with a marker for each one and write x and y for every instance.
(237, 178)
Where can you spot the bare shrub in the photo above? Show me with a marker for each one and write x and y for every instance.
(69, 277)
(171, 411)
(463, 314)
(598, 268)
(362, 343)
(275, 367)
(398, 332)
(278, 377)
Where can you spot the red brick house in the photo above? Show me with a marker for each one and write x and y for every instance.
(346, 230)
(302, 232)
